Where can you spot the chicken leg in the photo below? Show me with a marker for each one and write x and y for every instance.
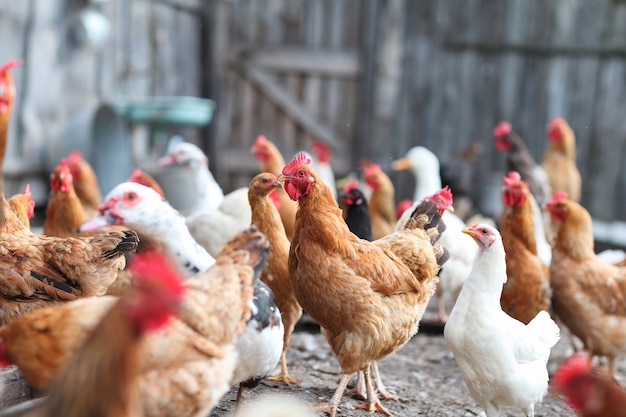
(360, 390)
(283, 376)
(331, 406)
(373, 402)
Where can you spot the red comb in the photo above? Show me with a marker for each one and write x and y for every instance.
(10, 64)
(558, 196)
(446, 193)
(27, 190)
(371, 169)
(349, 186)
(153, 266)
(300, 159)
(75, 156)
(512, 178)
(502, 128)
(575, 365)
(259, 140)
(556, 122)
(321, 151)
(137, 173)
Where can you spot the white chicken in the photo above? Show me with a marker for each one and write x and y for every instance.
(142, 209)
(214, 217)
(425, 167)
(502, 361)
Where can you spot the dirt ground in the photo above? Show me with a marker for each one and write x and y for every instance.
(423, 373)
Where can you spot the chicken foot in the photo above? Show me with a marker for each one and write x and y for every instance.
(360, 390)
(331, 406)
(283, 375)
(373, 402)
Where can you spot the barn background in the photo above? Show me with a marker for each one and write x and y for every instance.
(372, 78)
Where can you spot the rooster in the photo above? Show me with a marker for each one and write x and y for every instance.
(559, 159)
(23, 206)
(276, 273)
(64, 212)
(214, 217)
(102, 381)
(588, 294)
(368, 297)
(589, 391)
(527, 289)
(502, 361)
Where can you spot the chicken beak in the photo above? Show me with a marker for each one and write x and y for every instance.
(450, 209)
(282, 178)
(98, 222)
(167, 160)
(468, 231)
(278, 184)
(401, 164)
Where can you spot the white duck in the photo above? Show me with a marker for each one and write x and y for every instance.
(142, 209)
(425, 167)
(214, 217)
(502, 360)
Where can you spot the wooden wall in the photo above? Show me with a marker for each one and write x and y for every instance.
(370, 77)
(440, 74)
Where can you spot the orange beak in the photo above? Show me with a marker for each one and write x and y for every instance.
(401, 164)
(469, 231)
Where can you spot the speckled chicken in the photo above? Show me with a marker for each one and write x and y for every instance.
(38, 270)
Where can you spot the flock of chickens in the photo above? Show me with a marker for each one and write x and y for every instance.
(210, 298)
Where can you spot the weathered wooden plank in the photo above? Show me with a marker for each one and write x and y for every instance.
(283, 98)
(316, 61)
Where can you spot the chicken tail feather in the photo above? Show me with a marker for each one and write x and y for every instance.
(128, 243)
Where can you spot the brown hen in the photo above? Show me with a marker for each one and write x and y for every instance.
(64, 212)
(23, 206)
(559, 160)
(368, 297)
(276, 273)
(382, 201)
(527, 289)
(588, 294)
(85, 183)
